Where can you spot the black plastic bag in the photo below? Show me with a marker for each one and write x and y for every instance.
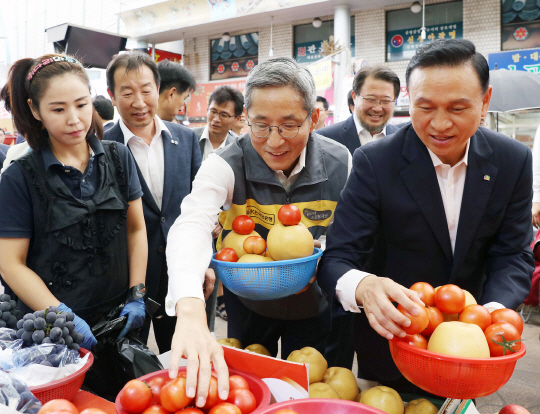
(118, 361)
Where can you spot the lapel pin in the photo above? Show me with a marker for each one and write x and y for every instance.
(487, 177)
(172, 141)
(175, 142)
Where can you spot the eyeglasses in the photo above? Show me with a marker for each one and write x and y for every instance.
(375, 102)
(223, 115)
(286, 130)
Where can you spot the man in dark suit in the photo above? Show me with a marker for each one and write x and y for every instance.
(177, 83)
(105, 110)
(440, 201)
(167, 156)
(375, 89)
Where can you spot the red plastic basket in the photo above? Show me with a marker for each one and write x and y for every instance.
(65, 388)
(260, 390)
(320, 406)
(450, 376)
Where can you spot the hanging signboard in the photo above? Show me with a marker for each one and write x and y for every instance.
(528, 60)
(163, 55)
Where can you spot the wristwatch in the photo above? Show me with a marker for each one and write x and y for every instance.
(136, 292)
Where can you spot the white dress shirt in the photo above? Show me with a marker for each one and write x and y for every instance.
(364, 136)
(189, 244)
(451, 184)
(149, 158)
(208, 147)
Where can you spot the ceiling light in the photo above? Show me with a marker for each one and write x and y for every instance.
(317, 22)
(416, 7)
(226, 37)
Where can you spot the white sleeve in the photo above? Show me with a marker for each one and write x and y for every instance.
(536, 167)
(14, 153)
(189, 244)
(346, 289)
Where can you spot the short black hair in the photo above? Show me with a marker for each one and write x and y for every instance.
(130, 61)
(350, 100)
(379, 72)
(173, 74)
(104, 107)
(450, 52)
(227, 94)
(324, 102)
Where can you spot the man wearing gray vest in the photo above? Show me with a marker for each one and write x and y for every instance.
(225, 106)
(281, 161)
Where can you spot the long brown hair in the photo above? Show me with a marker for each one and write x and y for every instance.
(19, 89)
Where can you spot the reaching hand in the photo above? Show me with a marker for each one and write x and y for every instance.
(82, 327)
(193, 340)
(376, 295)
(135, 312)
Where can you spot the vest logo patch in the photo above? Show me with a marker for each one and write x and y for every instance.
(315, 215)
(266, 218)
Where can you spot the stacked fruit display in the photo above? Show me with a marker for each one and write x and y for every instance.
(453, 324)
(287, 239)
(9, 315)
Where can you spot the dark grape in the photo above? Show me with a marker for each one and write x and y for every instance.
(55, 333)
(20, 332)
(38, 336)
(55, 360)
(12, 321)
(5, 306)
(60, 322)
(28, 325)
(53, 309)
(69, 340)
(12, 304)
(74, 346)
(20, 324)
(3, 323)
(29, 316)
(61, 341)
(17, 313)
(65, 332)
(70, 317)
(27, 337)
(77, 337)
(51, 317)
(70, 325)
(6, 315)
(5, 297)
(40, 314)
(40, 323)
(46, 340)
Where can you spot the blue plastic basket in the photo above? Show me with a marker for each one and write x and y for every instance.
(267, 280)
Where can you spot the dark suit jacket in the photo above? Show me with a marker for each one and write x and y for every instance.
(108, 126)
(182, 161)
(390, 221)
(345, 133)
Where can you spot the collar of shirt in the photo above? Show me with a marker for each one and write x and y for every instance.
(437, 162)
(288, 181)
(49, 159)
(128, 135)
(206, 135)
(360, 128)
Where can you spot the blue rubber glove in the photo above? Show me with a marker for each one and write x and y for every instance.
(136, 313)
(82, 327)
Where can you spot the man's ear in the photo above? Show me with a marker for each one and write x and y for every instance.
(486, 100)
(111, 95)
(314, 119)
(34, 112)
(171, 92)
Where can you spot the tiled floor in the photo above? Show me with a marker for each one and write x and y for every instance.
(523, 388)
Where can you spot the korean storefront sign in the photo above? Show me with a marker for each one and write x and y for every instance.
(197, 106)
(162, 55)
(528, 60)
(402, 44)
(309, 52)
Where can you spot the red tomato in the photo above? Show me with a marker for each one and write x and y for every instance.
(476, 314)
(243, 225)
(416, 340)
(435, 319)
(450, 299)
(227, 255)
(508, 315)
(190, 410)
(60, 405)
(155, 409)
(426, 292)
(135, 397)
(418, 322)
(156, 384)
(243, 399)
(254, 245)
(499, 346)
(225, 408)
(289, 215)
(213, 395)
(173, 395)
(236, 381)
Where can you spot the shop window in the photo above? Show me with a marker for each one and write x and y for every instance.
(520, 21)
(235, 57)
(403, 28)
(308, 40)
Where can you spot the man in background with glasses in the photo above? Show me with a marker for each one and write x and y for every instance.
(225, 106)
(375, 89)
(281, 161)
